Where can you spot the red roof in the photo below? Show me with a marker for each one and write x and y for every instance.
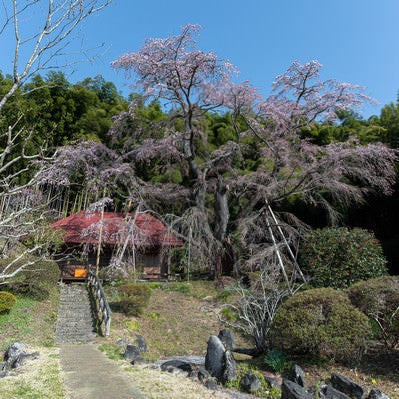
(143, 229)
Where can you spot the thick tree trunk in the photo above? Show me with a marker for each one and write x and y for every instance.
(221, 210)
(200, 174)
(200, 191)
(221, 221)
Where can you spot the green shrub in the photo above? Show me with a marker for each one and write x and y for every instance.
(322, 323)
(378, 298)
(276, 360)
(30, 289)
(7, 301)
(132, 299)
(43, 272)
(339, 257)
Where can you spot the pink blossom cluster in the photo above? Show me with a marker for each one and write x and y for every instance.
(173, 69)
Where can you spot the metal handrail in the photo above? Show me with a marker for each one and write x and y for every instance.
(103, 310)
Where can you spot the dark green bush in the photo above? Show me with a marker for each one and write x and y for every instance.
(378, 298)
(7, 301)
(35, 281)
(339, 257)
(31, 289)
(132, 299)
(43, 272)
(322, 323)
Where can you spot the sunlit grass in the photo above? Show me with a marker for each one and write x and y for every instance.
(15, 325)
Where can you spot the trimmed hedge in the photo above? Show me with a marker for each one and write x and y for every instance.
(339, 257)
(322, 323)
(378, 298)
(7, 301)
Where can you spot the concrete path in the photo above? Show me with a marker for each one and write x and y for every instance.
(89, 374)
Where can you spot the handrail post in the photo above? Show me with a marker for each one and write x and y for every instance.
(102, 307)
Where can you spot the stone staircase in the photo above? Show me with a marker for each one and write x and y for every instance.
(75, 320)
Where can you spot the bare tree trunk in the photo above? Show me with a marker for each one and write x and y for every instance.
(221, 222)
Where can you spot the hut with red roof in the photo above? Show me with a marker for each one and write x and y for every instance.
(94, 240)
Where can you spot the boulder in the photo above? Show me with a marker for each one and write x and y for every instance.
(202, 374)
(297, 375)
(291, 390)
(219, 362)
(141, 344)
(15, 356)
(347, 386)
(228, 339)
(271, 382)
(131, 352)
(138, 360)
(377, 394)
(214, 359)
(332, 393)
(170, 365)
(211, 384)
(229, 368)
(199, 374)
(250, 383)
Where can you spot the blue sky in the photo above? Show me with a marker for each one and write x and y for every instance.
(357, 41)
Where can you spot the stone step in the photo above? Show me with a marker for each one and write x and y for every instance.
(75, 326)
(75, 319)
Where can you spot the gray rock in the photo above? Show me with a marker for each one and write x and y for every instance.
(131, 352)
(214, 359)
(297, 375)
(199, 374)
(176, 364)
(228, 339)
(332, 393)
(202, 374)
(291, 390)
(377, 394)
(347, 386)
(141, 344)
(272, 382)
(219, 362)
(250, 383)
(211, 384)
(138, 360)
(229, 368)
(14, 356)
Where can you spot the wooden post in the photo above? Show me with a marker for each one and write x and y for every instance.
(99, 240)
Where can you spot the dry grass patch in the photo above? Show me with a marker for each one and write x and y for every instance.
(162, 385)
